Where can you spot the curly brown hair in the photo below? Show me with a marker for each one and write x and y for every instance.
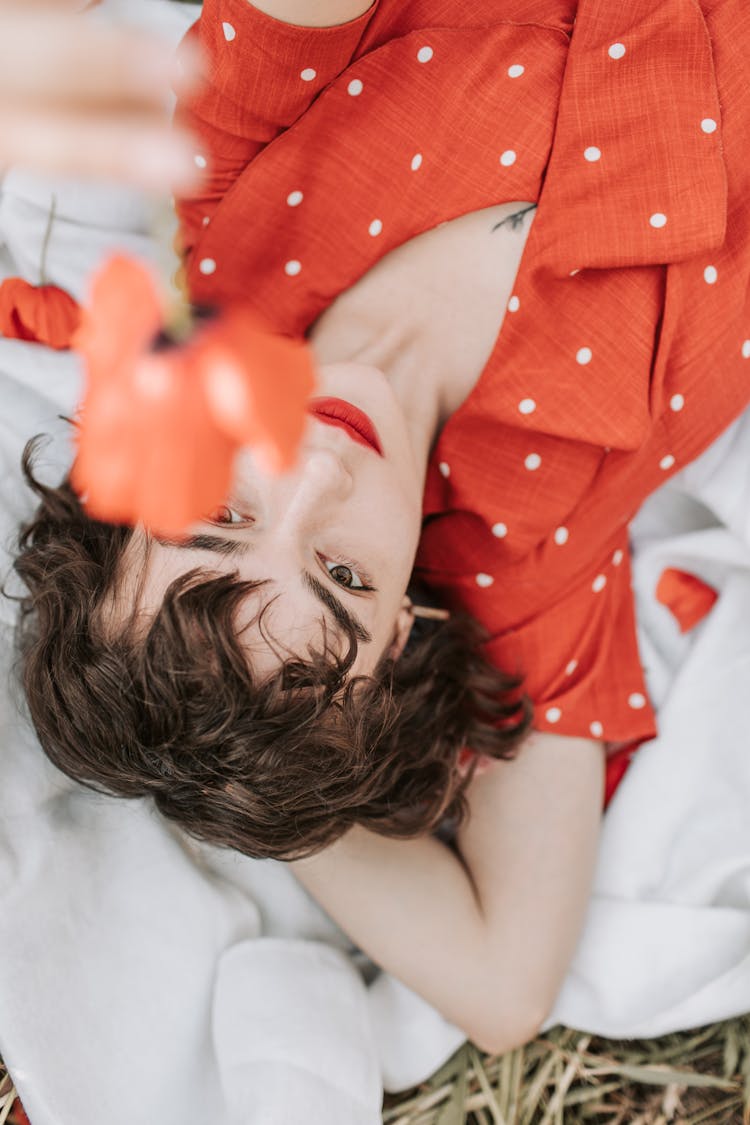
(275, 769)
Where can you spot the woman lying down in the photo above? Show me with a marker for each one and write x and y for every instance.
(517, 238)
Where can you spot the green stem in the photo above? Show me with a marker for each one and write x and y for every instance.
(46, 241)
(163, 225)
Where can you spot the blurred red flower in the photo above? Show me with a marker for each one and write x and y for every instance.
(161, 421)
(41, 314)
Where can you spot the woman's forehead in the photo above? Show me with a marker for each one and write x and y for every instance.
(275, 620)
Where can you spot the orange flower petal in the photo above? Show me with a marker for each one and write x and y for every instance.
(41, 314)
(148, 449)
(257, 385)
(124, 315)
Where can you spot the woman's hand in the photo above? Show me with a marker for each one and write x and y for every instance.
(78, 98)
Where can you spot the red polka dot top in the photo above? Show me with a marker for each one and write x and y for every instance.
(625, 349)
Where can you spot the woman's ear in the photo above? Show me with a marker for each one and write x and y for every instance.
(402, 629)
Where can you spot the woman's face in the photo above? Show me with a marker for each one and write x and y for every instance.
(332, 540)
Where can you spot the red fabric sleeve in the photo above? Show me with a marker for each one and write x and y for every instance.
(689, 598)
(581, 661)
(262, 75)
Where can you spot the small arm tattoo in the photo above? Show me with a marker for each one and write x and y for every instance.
(515, 220)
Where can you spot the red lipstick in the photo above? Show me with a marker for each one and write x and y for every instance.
(337, 412)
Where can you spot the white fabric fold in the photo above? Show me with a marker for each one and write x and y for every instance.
(294, 1043)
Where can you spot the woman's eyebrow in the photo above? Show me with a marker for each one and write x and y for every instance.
(340, 613)
(206, 543)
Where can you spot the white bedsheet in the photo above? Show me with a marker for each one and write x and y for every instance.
(146, 978)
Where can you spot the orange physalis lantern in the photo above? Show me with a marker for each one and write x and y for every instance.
(161, 421)
(41, 314)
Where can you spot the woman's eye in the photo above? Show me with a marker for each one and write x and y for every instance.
(228, 517)
(345, 576)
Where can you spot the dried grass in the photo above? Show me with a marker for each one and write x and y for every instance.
(7, 1094)
(699, 1077)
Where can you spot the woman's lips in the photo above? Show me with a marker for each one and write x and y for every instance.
(337, 412)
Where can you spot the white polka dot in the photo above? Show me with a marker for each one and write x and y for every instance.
(206, 220)
(375, 228)
(207, 266)
(200, 160)
(746, 349)
(584, 356)
(445, 469)
(532, 462)
(484, 580)
(308, 74)
(424, 54)
(561, 536)
(499, 530)
(616, 51)
(637, 701)
(596, 729)
(527, 406)
(658, 220)
(291, 269)
(507, 158)
(710, 275)
(574, 272)
(708, 125)
(676, 403)
(355, 87)
(592, 154)
(617, 557)
(514, 304)
(666, 462)
(599, 583)
(294, 198)
(516, 70)
(553, 714)
(570, 667)
(416, 162)
(229, 32)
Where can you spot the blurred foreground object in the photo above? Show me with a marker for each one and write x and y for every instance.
(82, 97)
(164, 413)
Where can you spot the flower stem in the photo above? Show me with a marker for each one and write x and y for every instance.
(179, 319)
(46, 241)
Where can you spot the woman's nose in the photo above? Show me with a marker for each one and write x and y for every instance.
(323, 472)
(320, 482)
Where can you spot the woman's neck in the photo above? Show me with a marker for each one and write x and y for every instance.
(428, 313)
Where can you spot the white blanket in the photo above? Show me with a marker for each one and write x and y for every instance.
(144, 977)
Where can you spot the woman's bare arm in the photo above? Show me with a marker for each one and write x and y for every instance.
(313, 13)
(486, 937)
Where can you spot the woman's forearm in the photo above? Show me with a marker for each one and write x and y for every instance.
(313, 13)
(487, 937)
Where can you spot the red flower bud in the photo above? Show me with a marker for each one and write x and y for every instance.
(41, 314)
